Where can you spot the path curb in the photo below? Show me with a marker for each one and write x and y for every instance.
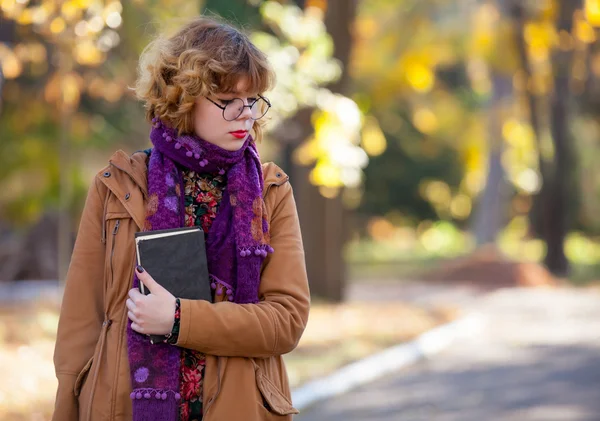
(387, 361)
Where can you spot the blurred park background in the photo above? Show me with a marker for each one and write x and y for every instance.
(429, 142)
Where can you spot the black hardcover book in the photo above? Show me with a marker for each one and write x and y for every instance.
(176, 259)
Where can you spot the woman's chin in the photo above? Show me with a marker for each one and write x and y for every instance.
(233, 146)
(230, 145)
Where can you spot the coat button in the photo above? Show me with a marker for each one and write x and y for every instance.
(106, 174)
(127, 196)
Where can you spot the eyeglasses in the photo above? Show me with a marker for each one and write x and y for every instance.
(234, 108)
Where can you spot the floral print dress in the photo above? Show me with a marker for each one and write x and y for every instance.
(203, 194)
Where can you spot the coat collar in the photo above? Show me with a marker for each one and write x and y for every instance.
(130, 171)
(136, 166)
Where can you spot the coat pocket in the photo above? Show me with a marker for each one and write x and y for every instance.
(278, 403)
(82, 376)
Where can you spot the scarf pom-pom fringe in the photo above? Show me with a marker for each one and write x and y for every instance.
(153, 404)
(219, 286)
(258, 251)
(156, 394)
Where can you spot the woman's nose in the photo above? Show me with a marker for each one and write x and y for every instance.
(246, 112)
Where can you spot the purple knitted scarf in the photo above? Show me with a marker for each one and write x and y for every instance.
(236, 245)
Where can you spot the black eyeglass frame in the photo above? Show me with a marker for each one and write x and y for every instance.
(223, 107)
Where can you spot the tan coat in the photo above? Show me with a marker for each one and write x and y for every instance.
(245, 377)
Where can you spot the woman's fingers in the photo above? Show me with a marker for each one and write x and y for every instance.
(135, 322)
(137, 328)
(133, 318)
(148, 281)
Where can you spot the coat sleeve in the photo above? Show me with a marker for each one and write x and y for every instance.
(275, 324)
(81, 313)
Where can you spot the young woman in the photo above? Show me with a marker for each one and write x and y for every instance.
(203, 92)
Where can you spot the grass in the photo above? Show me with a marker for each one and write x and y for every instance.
(392, 270)
(411, 269)
(583, 275)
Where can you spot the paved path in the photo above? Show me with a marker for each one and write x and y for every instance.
(537, 360)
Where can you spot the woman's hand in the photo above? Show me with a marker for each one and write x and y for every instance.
(151, 314)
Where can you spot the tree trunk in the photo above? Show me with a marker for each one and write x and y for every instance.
(323, 221)
(557, 180)
(549, 214)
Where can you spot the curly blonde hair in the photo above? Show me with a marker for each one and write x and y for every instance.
(203, 58)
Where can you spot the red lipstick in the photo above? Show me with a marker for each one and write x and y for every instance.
(239, 134)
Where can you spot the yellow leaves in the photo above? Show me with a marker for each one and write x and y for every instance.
(420, 77)
(33, 52)
(334, 147)
(380, 228)
(60, 20)
(436, 192)
(540, 34)
(82, 4)
(483, 42)
(373, 139)
(8, 7)
(441, 236)
(483, 39)
(70, 11)
(439, 194)
(25, 17)
(540, 37)
(473, 152)
(472, 157)
(64, 90)
(581, 250)
(547, 9)
(113, 92)
(110, 91)
(584, 31)
(520, 156)
(10, 63)
(518, 134)
(300, 27)
(514, 242)
(307, 153)
(70, 88)
(417, 70)
(57, 25)
(425, 120)
(87, 53)
(592, 12)
(492, 41)
(460, 206)
(325, 174)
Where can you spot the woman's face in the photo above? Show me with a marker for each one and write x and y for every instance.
(210, 125)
